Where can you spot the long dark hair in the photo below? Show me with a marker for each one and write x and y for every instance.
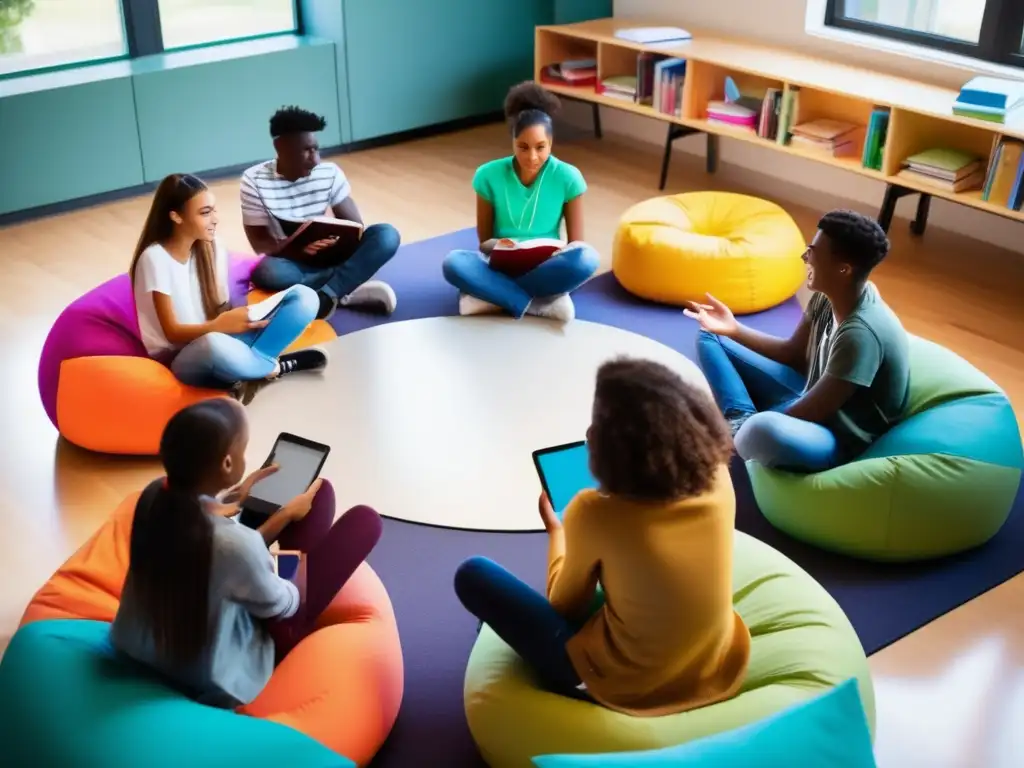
(171, 196)
(172, 537)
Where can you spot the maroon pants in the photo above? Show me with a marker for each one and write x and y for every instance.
(333, 551)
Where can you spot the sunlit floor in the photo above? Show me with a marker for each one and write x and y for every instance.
(950, 695)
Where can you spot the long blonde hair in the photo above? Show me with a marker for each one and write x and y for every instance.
(173, 194)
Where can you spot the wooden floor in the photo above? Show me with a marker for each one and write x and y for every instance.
(952, 694)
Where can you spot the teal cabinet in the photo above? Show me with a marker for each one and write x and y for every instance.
(413, 64)
(73, 138)
(208, 109)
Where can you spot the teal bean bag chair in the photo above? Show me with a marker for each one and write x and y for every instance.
(802, 645)
(67, 699)
(942, 481)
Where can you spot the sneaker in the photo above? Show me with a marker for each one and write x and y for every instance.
(312, 359)
(372, 294)
(328, 305)
(471, 305)
(558, 308)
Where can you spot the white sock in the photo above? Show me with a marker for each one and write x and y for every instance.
(558, 308)
(471, 305)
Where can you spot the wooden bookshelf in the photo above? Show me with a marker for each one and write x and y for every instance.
(921, 115)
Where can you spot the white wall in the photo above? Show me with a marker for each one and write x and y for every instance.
(740, 18)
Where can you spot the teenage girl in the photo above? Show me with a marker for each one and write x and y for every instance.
(657, 537)
(180, 278)
(202, 604)
(521, 197)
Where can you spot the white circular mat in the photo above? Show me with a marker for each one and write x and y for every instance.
(434, 421)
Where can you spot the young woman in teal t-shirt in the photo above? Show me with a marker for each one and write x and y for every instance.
(524, 197)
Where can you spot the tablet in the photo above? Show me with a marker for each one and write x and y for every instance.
(299, 462)
(564, 471)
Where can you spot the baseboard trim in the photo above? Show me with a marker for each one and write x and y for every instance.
(226, 172)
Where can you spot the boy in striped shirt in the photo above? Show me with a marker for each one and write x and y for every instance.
(298, 185)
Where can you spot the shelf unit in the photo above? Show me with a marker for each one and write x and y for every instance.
(921, 115)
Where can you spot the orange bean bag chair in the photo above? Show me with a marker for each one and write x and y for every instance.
(341, 686)
(99, 386)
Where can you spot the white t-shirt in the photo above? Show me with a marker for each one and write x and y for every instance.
(264, 192)
(159, 272)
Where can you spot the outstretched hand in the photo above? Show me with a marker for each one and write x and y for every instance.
(240, 492)
(299, 507)
(547, 514)
(714, 317)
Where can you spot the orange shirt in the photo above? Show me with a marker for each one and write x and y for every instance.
(667, 638)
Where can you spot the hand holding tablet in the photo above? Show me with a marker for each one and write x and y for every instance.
(564, 471)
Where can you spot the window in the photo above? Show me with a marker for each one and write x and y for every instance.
(992, 30)
(49, 34)
(39, 34)
(201, 22)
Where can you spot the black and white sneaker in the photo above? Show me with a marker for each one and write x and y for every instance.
(312, 359)
(328, 305)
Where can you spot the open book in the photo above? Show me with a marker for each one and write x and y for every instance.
(516, 258)
(261, 309)
(302, 233)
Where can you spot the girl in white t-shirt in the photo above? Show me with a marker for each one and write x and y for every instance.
(180, 277)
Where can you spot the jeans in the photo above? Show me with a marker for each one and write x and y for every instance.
(378, 245)
(219, 360)
(746, 384)
(524, 619)
(333, 552)
(470, 273)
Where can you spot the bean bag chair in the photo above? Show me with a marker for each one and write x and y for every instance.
(100, 388)
(336, 695)
(743, 250)
(942, 481)
(802, 645)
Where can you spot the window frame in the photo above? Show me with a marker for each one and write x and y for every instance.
(1000, 39)
(143, 36)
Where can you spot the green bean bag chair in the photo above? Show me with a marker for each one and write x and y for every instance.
(942, 481)
(802, 645)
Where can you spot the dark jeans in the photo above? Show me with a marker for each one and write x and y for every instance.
(746, 384)
(379, 244)
(524, 619)
(333, 552)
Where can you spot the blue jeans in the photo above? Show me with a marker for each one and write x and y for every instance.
(378, 245)
(524, 619)
(219, 360)
(746, 384)
(470, 273)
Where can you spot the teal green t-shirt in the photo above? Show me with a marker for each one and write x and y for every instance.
(523, 213)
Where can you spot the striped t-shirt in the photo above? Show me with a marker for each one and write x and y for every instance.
(264, 192)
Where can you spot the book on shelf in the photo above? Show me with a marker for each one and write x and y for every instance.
(1003, 181)
(787, 114)
(669, 76)
(619, 87)
(992, 93)
(768, 119)
(301, 233)
(949, 169)
(874, 141)
(575, 72)
(732, 114)
(834, 138)
(653, 35)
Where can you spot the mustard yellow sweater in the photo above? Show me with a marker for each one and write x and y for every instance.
(667, 638)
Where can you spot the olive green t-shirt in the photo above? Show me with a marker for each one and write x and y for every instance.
(870, 349)
(524, 213)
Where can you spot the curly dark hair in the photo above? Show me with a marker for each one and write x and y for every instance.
(529, 104)
(289, 120)
(654, 436)
(857, 239)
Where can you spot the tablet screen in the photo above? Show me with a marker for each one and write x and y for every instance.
(297, 467)
(564, 472)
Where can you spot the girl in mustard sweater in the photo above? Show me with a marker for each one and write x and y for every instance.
(657, 536)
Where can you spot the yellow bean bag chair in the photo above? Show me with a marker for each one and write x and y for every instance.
(802, 645)
(743, 250)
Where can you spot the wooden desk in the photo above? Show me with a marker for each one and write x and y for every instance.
(921, 114)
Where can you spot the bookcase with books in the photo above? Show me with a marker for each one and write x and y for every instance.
(904, 133)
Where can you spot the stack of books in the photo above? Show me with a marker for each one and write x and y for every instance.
(833, 138)
(732, 114)
(948, 169)
(619, 87)
(768, 120)
(576, 72)
(653, 35)
(874, 142)
(669, 76)
(989, 98)
(1004, 182)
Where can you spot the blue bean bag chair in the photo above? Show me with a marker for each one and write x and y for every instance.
(942, 481)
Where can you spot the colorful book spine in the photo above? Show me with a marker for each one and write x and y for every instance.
(874, 140)
(788, 115)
